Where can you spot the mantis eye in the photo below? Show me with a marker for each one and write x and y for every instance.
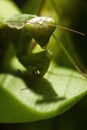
(39, 29)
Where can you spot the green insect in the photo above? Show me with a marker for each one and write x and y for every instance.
(35, 27)
(38, 28)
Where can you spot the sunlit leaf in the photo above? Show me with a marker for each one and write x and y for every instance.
(39, 98)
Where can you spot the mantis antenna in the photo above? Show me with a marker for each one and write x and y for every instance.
(65, 51)
(69, 29)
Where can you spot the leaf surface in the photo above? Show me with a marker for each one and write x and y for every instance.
(36, 98)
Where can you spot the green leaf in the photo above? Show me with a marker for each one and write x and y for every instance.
(37, 6)
(39, 98)
(8, 9)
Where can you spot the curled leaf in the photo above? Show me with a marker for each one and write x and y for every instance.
(39, 98)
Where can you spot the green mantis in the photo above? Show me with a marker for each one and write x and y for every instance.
(21, 29)
(35, 27)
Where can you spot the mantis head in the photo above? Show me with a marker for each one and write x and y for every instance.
(39, 29)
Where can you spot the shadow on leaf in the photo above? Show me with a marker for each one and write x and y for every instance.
(43, 88)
